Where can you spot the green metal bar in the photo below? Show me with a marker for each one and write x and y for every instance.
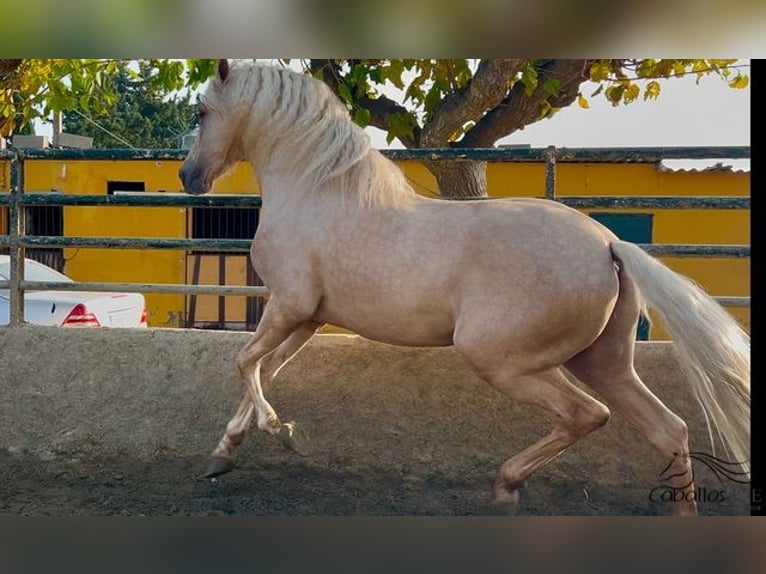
(221, 298)
(733, 301)
(249, 291)
(569, 155)
(656, 202)
(594, 154)
(135, 243)
(139, 199)
(550, 172)
(668, 249)
(249, 201)
(259, 292)
(674, 250)
(105, 154)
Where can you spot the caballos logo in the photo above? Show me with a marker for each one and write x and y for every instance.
(725, 471)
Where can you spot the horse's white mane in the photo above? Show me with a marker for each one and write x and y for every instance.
(300, 126)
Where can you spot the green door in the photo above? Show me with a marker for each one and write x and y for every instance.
(636, 228)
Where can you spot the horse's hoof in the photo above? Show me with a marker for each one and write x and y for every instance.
(218, 466)
(504, 502)
(294, 439)
(505, 497)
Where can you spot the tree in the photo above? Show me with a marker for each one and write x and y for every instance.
(446, 103)
(35, 88)
(473, 104)
(141, 116)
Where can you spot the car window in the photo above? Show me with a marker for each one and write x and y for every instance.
(34, 271)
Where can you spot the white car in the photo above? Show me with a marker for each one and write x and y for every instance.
(70, 308)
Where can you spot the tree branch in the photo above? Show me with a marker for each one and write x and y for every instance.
(8, 68)
(518, 110)
(329, 71)
(483, 92)
(380, 108)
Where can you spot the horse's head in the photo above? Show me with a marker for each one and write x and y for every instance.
(218, 145)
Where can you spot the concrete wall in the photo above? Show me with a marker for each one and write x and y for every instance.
(365, 404)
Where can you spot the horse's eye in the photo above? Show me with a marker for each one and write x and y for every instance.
(201, 113)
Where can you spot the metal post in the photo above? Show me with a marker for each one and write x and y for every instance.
(222, 299)
(550, 172)
(58, 128)
(17, 231)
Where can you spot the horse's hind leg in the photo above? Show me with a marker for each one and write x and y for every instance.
(576, 415)
(257, 369)
(607, 367)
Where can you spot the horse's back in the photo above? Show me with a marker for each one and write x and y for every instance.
(528, 242)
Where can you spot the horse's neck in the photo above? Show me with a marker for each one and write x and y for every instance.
(286, 203)
(284, 198)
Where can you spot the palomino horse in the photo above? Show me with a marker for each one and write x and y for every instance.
(523, 288)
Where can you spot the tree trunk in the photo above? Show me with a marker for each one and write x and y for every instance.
(460, 178)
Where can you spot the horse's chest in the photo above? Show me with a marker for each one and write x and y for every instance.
(264, 253)
(279, 258)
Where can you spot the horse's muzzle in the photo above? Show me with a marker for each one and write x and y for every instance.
(193, 180)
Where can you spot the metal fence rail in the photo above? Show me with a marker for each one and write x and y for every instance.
(18, 199)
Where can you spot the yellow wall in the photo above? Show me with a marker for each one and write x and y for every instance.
(717, 276)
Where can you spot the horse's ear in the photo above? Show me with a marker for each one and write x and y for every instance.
(223, 69)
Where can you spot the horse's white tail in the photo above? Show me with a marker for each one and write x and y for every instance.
(714, 350)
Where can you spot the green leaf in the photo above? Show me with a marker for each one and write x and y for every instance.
(631, 93)
(401, 124)
(740, 82)
(529, 79)
(614, 94)
(393, 73)
(652, 90)
(200, 70)
(545, 110)
(415, 93)
(600, 71)
(432, 100)
(344, 93)
(362, 117)
(552, 86)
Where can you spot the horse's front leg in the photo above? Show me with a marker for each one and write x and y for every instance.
(266, 419)
(277, 339)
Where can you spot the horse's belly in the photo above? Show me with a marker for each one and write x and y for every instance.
(388, 322)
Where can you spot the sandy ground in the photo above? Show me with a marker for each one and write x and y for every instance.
(70, 484)
(395, 432)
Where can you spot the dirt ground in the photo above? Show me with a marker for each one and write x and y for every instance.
(395, 431)
(72, 484)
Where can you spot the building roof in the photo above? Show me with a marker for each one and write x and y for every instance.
(704, 166)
